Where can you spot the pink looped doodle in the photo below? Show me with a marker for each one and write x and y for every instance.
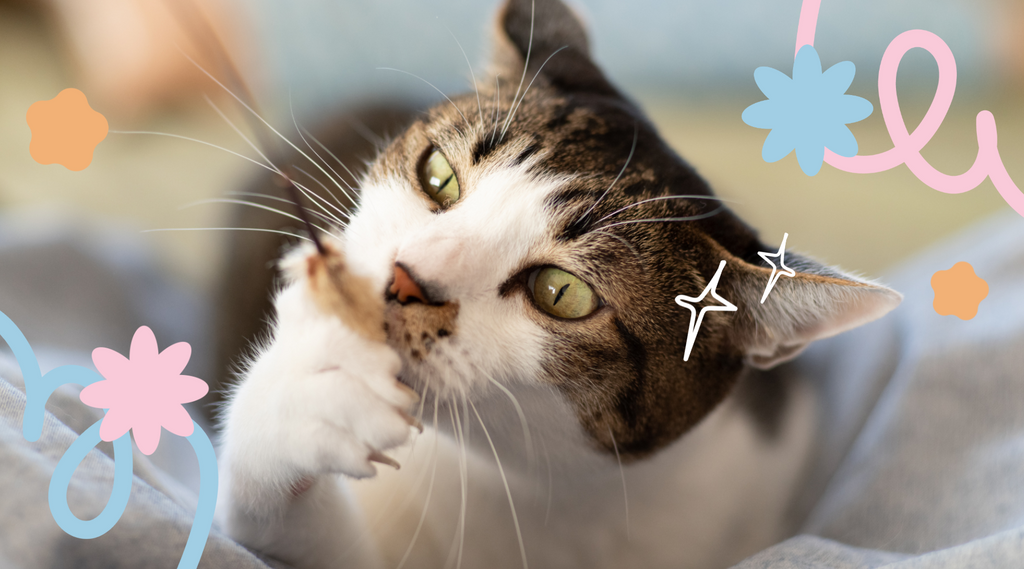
(907, 145)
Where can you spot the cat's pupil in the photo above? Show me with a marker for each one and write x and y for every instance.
(438, 179)
(562, 294)
(561, 291)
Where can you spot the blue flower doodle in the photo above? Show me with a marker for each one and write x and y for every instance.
(38, 388)
(808, 112)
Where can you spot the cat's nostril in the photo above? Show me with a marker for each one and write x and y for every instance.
(404, 288)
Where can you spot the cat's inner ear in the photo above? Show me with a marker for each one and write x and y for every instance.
(546, 36)
(816, 303)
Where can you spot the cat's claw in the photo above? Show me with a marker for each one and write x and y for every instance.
(413, 421)
(377, 456)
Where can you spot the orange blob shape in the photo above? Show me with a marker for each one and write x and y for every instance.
(958, 291)
(65, 130)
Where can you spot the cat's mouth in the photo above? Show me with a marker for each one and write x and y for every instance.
(419, 332)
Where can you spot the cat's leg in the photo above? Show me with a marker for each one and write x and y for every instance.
(319, 401)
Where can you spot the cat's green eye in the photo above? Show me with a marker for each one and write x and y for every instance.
(438, 179)
(562, 294)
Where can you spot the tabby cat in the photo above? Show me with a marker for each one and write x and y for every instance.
(510, 278)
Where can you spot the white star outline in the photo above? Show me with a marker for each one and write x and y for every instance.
(696, 319)
(776, 273)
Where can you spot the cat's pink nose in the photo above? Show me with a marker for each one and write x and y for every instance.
(405, 288)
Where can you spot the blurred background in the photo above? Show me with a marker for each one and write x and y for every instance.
(689, 63)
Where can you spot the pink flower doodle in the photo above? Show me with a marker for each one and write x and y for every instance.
(145, 391)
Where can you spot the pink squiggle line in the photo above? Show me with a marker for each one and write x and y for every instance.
(907, 145)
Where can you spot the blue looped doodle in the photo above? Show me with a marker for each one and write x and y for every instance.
(38, 388)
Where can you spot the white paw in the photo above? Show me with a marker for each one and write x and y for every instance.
(321, 399)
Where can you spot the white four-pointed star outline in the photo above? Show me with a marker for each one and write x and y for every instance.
(695, 318)
(776, 273)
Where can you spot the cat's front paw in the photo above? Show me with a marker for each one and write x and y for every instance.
(324, 396)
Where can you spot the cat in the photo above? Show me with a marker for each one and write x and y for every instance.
(519, 252)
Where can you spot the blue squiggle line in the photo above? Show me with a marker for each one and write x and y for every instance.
(61, 479)
(38, 389)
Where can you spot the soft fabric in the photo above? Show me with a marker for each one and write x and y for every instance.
(919, 464)
(151, 533)
(70, 291)
(921, 461)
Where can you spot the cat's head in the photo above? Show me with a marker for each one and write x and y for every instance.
(536, 232)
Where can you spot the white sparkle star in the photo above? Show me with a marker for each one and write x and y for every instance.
(696, 319)
(775, 270)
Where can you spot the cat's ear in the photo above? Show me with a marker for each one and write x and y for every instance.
(816, 303)
(545, 36)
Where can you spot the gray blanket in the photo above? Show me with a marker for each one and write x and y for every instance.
(920, 462)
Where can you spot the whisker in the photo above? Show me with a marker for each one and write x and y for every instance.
(464, 477)
(622, 472)
(497, 91)
(526, 65)
(311, 149)
(660, 198)
(624, 242)
(668, 219)
(246, 203)
(476, 87)
(547, 459)
(504, 480)
(239, 132)
(636, 132)
(516, 109)
(426, 503)
(522, 419)
(460, 439)
(365, 132)
(190, 139)
(321, 216)
(343, 212)
(227, 229)
(247, 107)
(336, 159)
(316, 199)
(468, 124)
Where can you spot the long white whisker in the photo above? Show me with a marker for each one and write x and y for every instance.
(526, 65)
(365, 132)
(246, 203)
(547, 460)
(316, 201)
(319, 201)
(497, 91)
(665, 219)
(622, 473)
(311, 149)
(661, 198)
(623, 241)
(240, 133)
(636, 133)
(504, 480)
(514, 110)
(190, 139)
(476, 87)
(522, 419)
(257, 115)
(226, 229)
(464, 477)
(459, 538)
(342, 212)
(336, 159)
(426, 504)
(468, 124)
(310, 211)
